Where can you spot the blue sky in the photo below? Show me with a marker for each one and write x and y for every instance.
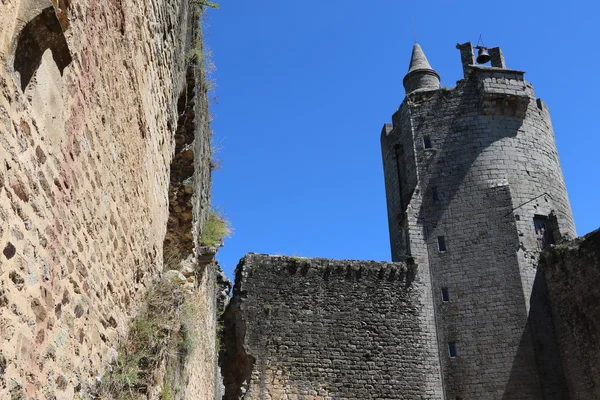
(303, 89)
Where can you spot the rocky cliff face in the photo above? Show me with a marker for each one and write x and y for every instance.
(104, 142)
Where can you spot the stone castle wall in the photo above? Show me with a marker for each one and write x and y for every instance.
(94, 101)
(572, 273)
(105, 183)
(329, 329)
(474, 165)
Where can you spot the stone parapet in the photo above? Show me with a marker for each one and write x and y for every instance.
(329, 329)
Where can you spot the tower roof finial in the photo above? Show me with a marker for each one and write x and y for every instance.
(420, 75)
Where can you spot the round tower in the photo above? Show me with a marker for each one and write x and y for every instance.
(420, 75)
(475, 192)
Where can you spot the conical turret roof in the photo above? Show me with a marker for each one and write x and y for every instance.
(418, 60)
(420, 75)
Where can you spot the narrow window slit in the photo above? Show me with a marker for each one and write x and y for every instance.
(427, 142)
(445, 294)
(452, 349)
(441, 243)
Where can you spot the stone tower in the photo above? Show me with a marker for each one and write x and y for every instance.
(474, 191)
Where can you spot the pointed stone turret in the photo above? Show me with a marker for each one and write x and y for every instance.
(420, 75)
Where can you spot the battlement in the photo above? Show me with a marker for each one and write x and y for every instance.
(317, 325)
(330, 270)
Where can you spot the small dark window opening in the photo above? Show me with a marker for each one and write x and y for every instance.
(434, 194)
(427, 142)
(441, 243)
(406, 240)
(452, 349)
(543, 232)
(445, 294)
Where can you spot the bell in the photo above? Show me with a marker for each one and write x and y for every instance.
(483, 56)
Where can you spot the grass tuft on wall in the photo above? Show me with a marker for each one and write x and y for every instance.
(215, 229)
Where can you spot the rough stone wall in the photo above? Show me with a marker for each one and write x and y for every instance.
(88, 113)
(329, 329)
(200, 378)
(493, 166)
(572, 272)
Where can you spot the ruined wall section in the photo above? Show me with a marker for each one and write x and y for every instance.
(189, 206)
(88, 112)
(572, 272)
(329, 329)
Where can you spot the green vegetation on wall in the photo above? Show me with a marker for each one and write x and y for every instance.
(156, 336)
(214, 230)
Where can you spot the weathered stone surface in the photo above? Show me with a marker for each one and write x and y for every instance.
(175, 277)
(420, 75)
(472, 167)
(300, 328)
(572, 272)
(95, 100)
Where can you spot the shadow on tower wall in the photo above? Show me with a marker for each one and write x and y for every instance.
(545, 347)
(468, 134)
(41, 33)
